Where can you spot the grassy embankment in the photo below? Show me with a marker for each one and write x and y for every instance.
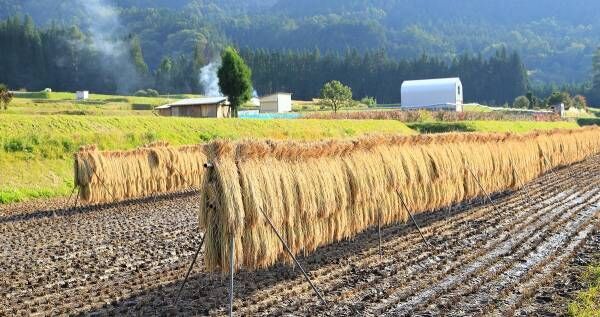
(587, 303)
(490, 126)
(36, 151)
(40, 103)
(40, 132)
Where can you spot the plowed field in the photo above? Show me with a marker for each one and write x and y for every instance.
(510, 257)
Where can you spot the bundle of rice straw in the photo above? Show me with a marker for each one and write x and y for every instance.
(105, 177)
(323, 192)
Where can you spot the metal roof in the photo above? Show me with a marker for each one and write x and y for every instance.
(277, 93)
(431, 82)
(195, 102)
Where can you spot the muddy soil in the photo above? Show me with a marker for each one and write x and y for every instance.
(521, 255)
(551, 298)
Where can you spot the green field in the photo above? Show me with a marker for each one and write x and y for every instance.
(477, 108)
(64, 103)
(587, 303)
(40, 132)
(490, 126)
(36, 151)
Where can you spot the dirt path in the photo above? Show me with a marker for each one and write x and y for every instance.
(517, 257)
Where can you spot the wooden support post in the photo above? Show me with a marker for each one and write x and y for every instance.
(414, 220)
(523, 185)
(231, 268)
(289, 251)
(379, 233)
(71, 195)
(569, 172)
(550, 165)
(206, 165)
(190, 269)
(481, 186)
(197, 250)
(77, 197)
(105, 187)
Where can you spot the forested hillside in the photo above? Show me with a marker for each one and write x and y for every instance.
(496, 80)
(555, 39)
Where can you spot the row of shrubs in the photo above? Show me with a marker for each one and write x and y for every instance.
(146, 93)
(50, 149)
(45, 94)
(63, 147)
(32, 94)
(424, 116)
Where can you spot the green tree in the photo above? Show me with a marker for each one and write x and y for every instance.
(534, 101)
(137, 57)
(594, 93)
(235, 79)
(521, 102)
(558, 97)
(336, 95)
(580, 102)
(197, 64)
(198, 56)
(5, 96)
(369, 101)
(596, 71)
(164, 75)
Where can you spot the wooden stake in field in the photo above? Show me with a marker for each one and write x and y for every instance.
(187, 275)
(287, 248)
(415, 222)
(231, 270)
(486, 195)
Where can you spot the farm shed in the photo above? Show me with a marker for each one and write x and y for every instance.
(279, 102)
(213, 107)
(441, 93)
(559, 109)
(82, 95)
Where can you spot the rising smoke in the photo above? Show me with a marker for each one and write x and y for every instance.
(106, 33)
(210, 80)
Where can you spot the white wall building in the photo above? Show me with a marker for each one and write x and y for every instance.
(279, 102)
(559, 109)
(441, 93)
(82, 95)
(208, 107)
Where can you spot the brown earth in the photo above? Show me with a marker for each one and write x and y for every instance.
(521, 255)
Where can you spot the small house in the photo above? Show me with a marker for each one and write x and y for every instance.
(559, 109)
(212, 107)
(276, 103)
(255, 102)
(82, 95)
(435, 94)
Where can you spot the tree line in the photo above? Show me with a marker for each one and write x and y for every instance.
(66, 59)
(589, 90)
(496, 80)
(555, 38)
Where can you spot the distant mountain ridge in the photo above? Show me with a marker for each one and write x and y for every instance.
(555, 38)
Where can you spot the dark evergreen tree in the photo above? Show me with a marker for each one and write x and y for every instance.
(235, 79)
(62, 58)
(137, 57)
(5, 97)
(594, 95)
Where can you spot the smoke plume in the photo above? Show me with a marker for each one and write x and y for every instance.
(107, 38)
(210, 80)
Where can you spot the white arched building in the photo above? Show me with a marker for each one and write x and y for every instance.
(441, 93)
